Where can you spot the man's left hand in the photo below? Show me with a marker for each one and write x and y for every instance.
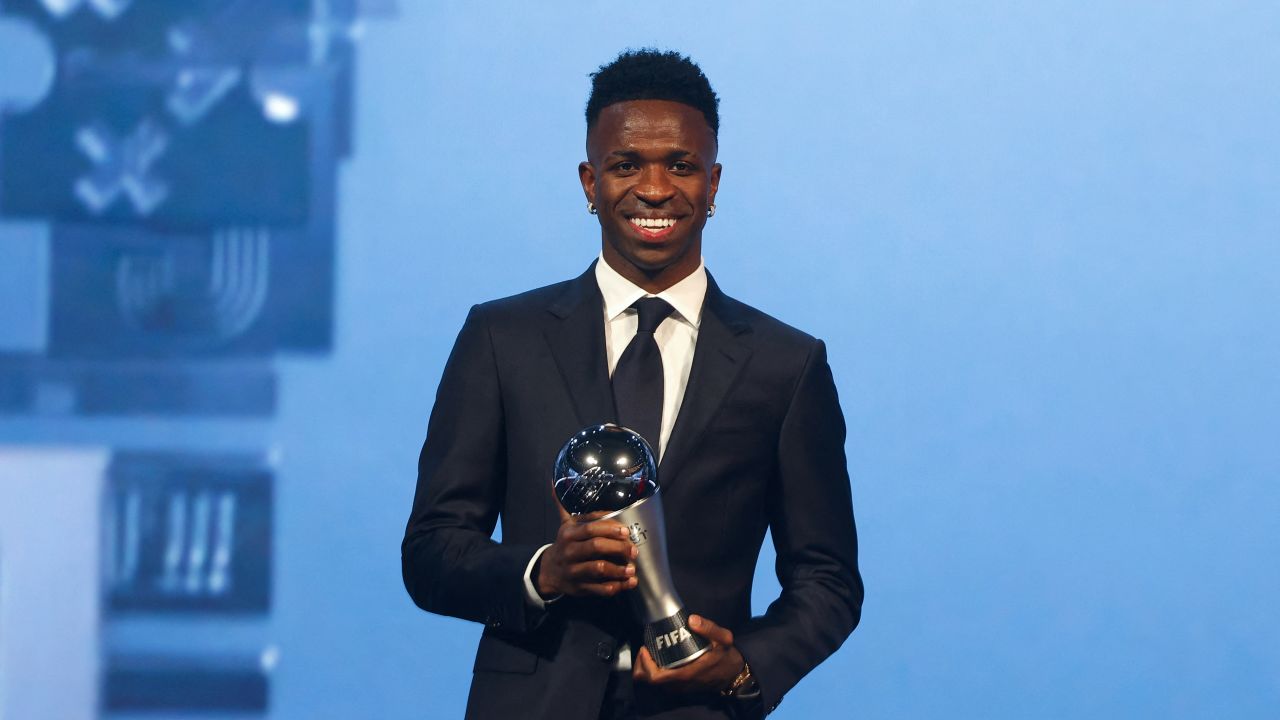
(713, 671)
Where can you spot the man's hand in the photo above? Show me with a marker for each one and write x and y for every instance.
(589, 557)
(713, 671)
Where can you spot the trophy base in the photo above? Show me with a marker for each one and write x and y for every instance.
(671, 643)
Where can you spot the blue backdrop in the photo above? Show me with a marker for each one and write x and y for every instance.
(1042, 241)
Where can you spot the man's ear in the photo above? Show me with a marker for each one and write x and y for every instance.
(587, 176)
(715, 181)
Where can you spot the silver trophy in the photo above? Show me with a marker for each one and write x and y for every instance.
(611, 468)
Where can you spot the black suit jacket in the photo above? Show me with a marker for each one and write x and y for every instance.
(758, 446)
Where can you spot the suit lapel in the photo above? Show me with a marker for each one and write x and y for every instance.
(576, 337)
(719, 356)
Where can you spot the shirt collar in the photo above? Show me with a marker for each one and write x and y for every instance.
(685, 296)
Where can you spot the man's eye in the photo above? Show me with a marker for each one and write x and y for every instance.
(681, 167)
(625, 167)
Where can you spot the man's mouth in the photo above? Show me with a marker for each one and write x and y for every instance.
(653, 228)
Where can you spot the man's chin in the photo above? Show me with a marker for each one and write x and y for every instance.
(650, 258)
(652, 261)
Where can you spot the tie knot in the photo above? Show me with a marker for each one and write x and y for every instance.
(652, 311)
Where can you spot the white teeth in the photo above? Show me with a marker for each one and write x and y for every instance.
(653, 223)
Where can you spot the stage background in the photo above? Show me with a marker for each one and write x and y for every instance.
(1042, 242)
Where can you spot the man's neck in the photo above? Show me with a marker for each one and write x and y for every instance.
(651, 282)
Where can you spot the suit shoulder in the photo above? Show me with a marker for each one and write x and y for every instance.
(769, 329)
(520, 307)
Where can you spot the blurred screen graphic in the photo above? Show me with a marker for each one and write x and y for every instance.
(179, 159)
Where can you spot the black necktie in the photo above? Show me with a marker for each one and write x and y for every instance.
(637, 380)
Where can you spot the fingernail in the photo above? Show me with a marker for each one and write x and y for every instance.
(623, 532)
(695, 621)
(631, 569)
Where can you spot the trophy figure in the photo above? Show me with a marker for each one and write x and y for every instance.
(611, 468)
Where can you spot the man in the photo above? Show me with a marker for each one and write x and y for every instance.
(740, 408)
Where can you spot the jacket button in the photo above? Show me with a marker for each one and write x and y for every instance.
(604, 651)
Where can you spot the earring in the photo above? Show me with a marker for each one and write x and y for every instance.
(711, 210)
(591, 208)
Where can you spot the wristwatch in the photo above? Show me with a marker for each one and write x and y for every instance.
(744, 685)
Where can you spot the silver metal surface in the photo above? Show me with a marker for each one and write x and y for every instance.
(686, 659)
(654, 597)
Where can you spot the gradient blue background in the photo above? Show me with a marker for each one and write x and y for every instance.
(1042, 241)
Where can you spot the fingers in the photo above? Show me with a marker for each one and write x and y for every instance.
(591, 579)
(595, 577)
(608, 589)
(600, 548)
(643, 667)
(599, 528)
(710, 630)
(713, 670)
(646, 669)
(598, 571)
(594, 557)
(602, 539)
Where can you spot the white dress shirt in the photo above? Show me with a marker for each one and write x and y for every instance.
(676, 336)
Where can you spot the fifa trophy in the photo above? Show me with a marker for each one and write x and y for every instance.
(611, 468)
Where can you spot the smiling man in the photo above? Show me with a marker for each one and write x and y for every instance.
(740, 408)
(652, 178)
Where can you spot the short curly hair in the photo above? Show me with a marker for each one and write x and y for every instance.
(650, 74)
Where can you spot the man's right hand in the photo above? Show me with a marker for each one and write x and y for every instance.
(589, 557)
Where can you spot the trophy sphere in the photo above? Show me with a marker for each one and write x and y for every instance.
(604, 467)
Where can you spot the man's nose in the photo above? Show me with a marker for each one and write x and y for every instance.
(655, 186)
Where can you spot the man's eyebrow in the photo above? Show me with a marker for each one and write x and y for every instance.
(632, 154)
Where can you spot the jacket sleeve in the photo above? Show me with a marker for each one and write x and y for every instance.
(450, 563)
(811, 521)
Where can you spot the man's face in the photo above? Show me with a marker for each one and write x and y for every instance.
(651, 173)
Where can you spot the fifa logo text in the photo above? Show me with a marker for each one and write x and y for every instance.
(673, 638)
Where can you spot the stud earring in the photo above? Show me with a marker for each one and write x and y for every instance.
(591, 208)
(711, 210)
